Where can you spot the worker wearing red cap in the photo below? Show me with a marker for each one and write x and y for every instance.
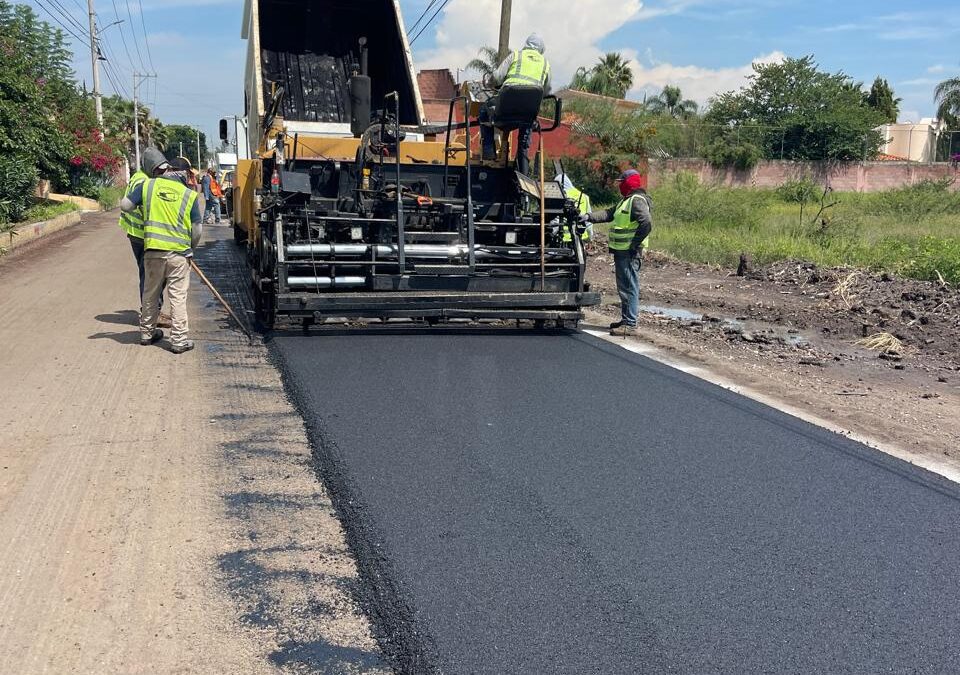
(627, 239)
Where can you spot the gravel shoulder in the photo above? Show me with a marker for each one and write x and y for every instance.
(790, 332)
(159, 514)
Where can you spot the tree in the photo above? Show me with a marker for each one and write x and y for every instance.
(670, 102)
(486, 63)
(947, 96)
(794, 110)
(611, 76)
(187, 135)
(881, 98)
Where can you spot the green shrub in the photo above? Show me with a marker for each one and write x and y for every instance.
(686, 200)
(799, 191)
(109, 197)
(18, 180)
(721, 153)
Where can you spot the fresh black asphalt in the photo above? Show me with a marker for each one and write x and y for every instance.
(549, 503)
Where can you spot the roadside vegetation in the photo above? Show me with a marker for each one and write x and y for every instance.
(47, 211)
(913, 231)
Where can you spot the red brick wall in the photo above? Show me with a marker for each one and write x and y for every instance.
(847, 177)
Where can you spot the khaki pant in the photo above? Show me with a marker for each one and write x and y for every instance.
(172, 269)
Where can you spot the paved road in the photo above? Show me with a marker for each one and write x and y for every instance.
(526, 503)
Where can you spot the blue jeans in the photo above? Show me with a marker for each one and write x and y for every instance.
(627, 267)
(213, 204)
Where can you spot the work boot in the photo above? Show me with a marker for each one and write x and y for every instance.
(181, 348)
(624, 330)
(153, 339)
(616, 324)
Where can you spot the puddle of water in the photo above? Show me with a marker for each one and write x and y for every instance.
(739, 325)
(672, 313)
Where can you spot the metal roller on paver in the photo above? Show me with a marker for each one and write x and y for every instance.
(353, 207)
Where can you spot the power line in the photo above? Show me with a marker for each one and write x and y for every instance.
(123, 36)
(421, 17)
(146, 40)
(61, 23)
(66, 14)
(427, 24)
(136, 42)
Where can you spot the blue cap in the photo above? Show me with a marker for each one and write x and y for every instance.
(629, 172)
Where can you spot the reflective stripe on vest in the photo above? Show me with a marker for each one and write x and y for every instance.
(624, 227)
(582, 202)
(132, 223)
(167, 205)
(529, 67)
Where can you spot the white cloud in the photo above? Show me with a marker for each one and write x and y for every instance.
(696, 82)
(571, 42)
(467, 25)
(939, 68)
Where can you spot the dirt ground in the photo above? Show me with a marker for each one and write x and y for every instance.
(158, 513)
(799, 334)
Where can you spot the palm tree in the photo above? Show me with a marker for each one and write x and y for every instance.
(611, 76)
(670, 102)
(486, 63)
(947, 96)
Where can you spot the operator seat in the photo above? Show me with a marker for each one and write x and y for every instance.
(515, 106)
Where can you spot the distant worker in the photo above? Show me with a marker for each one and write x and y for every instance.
(172, 228)
(580, 200)
(154, 164)
(212, 192)
(628, 238)
(524, 68)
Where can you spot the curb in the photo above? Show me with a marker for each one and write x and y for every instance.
(30, 232)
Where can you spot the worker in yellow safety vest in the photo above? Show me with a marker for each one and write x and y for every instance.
(580, 200)
(527, 67)
(154, 164)
(628, 238)
(172, 227)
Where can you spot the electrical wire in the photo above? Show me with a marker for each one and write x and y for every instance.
(423, 15)
(60, 23)
(427, 24)
(72, 19)
(136, 42)
(123, 35)
(146, 40)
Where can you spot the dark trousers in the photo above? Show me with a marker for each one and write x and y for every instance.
(489, 143)
(137, 246)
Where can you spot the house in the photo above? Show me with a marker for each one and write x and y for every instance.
(911, 142)
(437, 87)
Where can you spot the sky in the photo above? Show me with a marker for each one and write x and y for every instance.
(702, 46)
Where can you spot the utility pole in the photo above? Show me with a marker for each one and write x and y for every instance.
(95, 63)
(506, 9)
(198, 150)
(138, 79)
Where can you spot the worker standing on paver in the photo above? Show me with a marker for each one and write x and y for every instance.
(154, 164)
(524, 68)
(172, 228)
(628, 238)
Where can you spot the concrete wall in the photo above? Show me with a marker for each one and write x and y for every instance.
(846, 177)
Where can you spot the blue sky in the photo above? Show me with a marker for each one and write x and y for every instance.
(704, 46)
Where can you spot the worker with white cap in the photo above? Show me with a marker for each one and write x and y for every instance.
(527, 67)
(580, 199)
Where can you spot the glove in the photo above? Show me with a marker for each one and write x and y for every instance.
(584, 219)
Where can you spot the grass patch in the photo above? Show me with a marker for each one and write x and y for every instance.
(46, 211)
(914, 231)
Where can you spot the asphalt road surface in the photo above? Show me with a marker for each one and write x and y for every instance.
(524, 503)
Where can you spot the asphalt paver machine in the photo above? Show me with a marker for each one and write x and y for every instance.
(355, 207)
